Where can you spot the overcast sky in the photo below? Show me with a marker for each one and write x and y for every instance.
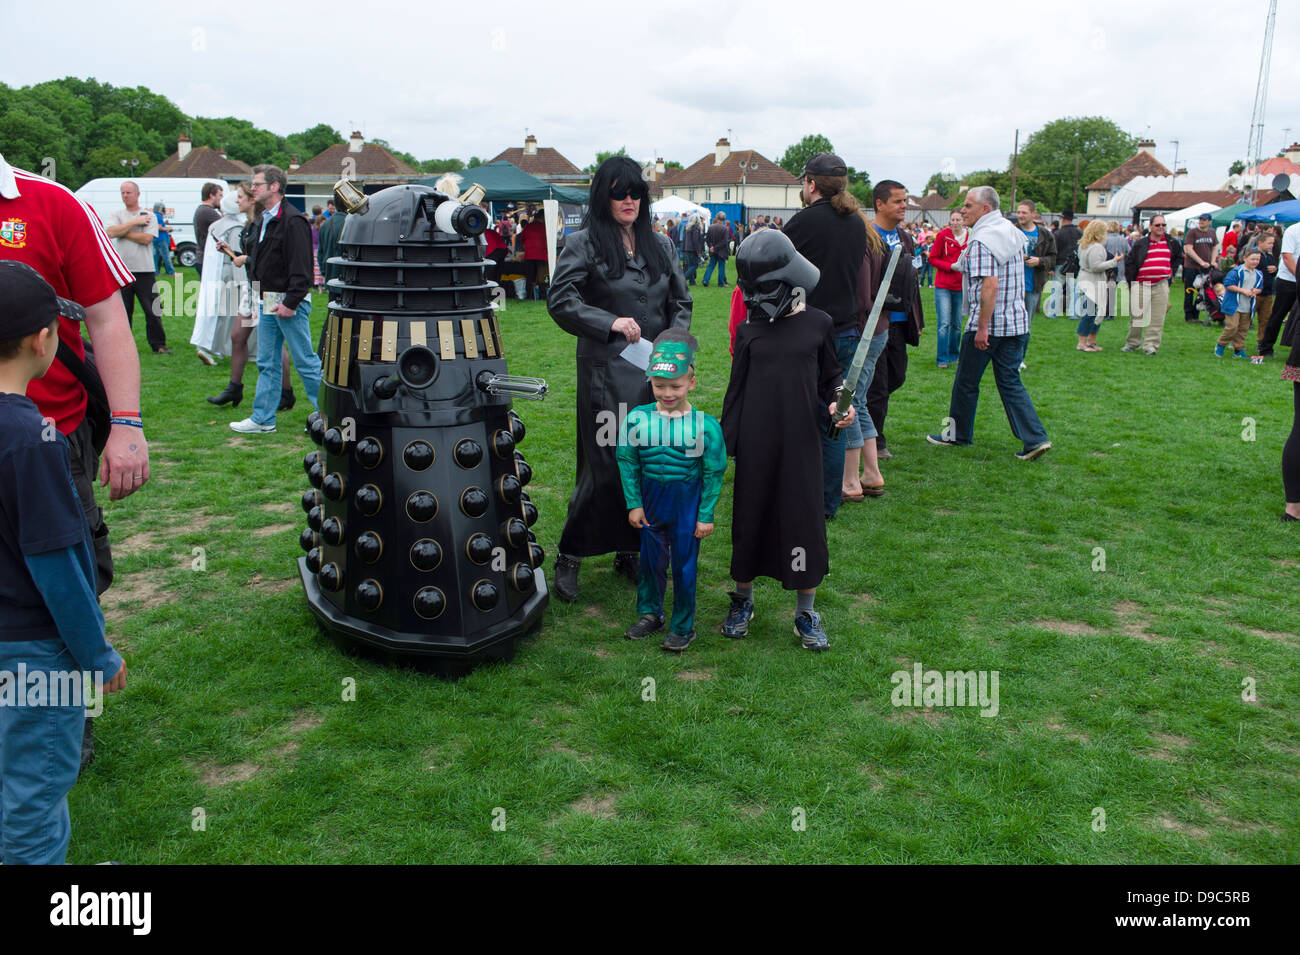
(898, 92)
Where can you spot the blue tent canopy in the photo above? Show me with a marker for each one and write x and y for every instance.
(1288, 211)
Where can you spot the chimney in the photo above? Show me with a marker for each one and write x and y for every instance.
(1182, 171)
(222, 154)
(1292, 153)
(182, 146)
(530, 145)
(659, 166)
(356, 142)
(721, 152)
(293, 163)
(930, 192)
(1147, 146)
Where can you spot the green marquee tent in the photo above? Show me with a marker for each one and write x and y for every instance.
(1225, 217)
(505, 182)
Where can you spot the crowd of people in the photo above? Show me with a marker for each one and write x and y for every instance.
(836, 288)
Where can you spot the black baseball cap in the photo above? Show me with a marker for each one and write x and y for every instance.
(824, 164)
(28, 302)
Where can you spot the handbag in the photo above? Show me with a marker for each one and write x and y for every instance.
(98, 411)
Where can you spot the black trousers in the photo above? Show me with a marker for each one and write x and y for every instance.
(145, 289)
(1284, 298)
(1291, 454)
(85, 469)
(492, 271)
(1190, 274)
(891, 372)
(530, 275)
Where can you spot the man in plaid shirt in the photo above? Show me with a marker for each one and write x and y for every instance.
(997, 329)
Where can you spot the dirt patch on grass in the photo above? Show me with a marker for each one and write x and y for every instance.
(695, 676)
(910, 714)
(567, 751)
(132, 594)
(1236, 825)
(943, 511)
(279, 507)
(272, 586)
(603, 808)
(272, 529)
(303, 721)
(1134, 623)
(1283, 562)
(1058, 727)
(751, 811)
(213, 775)
(1287, 638)
(1072, 628)
(1170, 747)
(872, 776)
(135, 544)
(1169, 824)
(602, 653)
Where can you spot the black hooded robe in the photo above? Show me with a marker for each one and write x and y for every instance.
(585, 302)
(783, 378)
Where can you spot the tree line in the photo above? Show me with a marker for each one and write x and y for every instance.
(77, 130)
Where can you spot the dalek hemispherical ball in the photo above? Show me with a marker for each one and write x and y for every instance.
(418, 544)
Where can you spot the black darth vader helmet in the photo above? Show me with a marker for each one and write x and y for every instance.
(768, 270)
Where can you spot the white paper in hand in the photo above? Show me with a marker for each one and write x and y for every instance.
(638, 353)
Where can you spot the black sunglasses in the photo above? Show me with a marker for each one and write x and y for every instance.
(622, 192)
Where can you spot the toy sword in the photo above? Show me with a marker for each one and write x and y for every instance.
(844, 394)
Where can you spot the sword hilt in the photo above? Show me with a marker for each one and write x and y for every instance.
(843, 402)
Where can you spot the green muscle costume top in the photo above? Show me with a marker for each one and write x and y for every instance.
(667, 450)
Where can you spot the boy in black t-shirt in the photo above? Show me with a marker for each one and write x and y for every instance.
(53, 631)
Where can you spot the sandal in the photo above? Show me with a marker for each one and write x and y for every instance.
(1094, 347)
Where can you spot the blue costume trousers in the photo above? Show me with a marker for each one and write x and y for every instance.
(672, 511)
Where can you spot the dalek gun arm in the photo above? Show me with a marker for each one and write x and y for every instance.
(512, 386)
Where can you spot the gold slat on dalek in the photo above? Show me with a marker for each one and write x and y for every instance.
(470, 337)
(489, 345)
(345, 356)
(328, 372)
(388, 344)
(446, 341)
(363, 339)
(418, 336)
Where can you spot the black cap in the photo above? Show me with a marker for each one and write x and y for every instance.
(824, 164)
(28, 302)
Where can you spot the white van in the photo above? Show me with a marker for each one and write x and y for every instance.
(179, 195)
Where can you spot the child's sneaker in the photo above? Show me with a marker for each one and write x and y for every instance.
(644, 627)
(676, 643)
(741, 612)
(1218, 351)
(808, 628)
(1239, 354)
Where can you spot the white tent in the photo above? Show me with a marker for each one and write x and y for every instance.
(1186, 218)
(675, 206)
(1123, 200)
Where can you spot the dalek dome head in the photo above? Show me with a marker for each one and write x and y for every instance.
(411, 213)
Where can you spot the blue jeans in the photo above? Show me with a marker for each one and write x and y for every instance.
(272, 333)
(1005, 352)
(40, 755)
(162, 258)
(947, 306)
(721, 262)
(862, 429)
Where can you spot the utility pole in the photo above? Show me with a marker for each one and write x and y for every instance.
(1074, 196)
(1173, 184)
(1015, 161)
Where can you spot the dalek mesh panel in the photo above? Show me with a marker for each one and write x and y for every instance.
(418, 540)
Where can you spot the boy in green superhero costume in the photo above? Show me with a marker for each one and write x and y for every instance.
(671, 457)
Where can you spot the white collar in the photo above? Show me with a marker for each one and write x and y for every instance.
(8, 182)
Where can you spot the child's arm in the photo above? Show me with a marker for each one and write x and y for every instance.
(70, 597)
(714, 466)
(629, 466)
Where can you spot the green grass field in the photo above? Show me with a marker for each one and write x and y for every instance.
(1122, 734)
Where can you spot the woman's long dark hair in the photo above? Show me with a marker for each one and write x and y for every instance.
(604, 231)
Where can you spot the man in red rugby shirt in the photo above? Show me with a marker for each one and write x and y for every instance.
(43, 224)
(1149, 268)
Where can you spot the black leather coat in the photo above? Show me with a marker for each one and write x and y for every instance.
(584, 302)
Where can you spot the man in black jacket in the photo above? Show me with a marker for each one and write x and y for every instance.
(280, 268)
(831, 235)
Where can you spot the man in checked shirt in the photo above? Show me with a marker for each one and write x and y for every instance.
(997, 328)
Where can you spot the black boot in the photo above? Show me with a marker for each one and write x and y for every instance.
(233, 395)
(566, 577)
(628, 563)
(286, 400)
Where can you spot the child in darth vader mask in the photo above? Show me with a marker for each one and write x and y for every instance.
(783, 386)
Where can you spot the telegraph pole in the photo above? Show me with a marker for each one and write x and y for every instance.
(1015, 160)
(1173, 184)
(1074, 195)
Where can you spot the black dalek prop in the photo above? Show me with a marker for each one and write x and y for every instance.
(418, 541)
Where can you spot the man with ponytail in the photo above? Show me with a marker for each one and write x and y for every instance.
(832, 236)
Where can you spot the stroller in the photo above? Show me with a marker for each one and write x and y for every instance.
(1209, 294)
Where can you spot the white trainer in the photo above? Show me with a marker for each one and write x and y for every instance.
(249, 426)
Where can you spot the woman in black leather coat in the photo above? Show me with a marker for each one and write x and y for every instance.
(616, 281)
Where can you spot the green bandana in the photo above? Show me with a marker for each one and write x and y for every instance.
(670, 359)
